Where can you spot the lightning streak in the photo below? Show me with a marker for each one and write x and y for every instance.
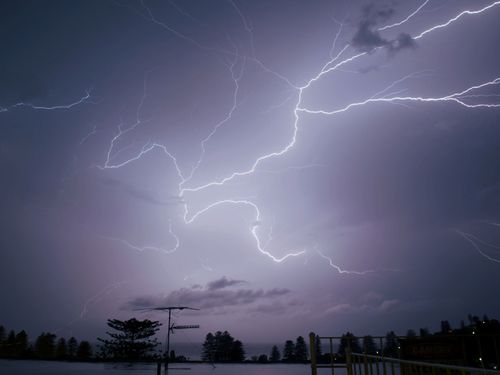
(108, 289)
(333, 64)
(452, 20)
(82, 100)
(406, 19)
(340, 270)
(455, 97)
(471, 239)
(236, 81)
(253, 229)
(150, 248)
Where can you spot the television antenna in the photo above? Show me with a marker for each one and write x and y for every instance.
(172, 326)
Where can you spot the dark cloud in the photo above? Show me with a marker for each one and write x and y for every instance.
(223, 282)
(368, 38)
(402, 41)
(213, 296)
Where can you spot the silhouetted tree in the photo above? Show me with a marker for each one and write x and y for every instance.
(348, 340)
(84, 351)
(224, 342)
(61, 349)
(208, 348)
(21, 345)
(391, 345)
(45, 346)
(317, 347)
(369, 346)
(9, 344)
(222, 347)
(72, 347)
(275, 354)
(262, 358)
(300, 351)
(132, 339)
(237, 352)
(289, 351)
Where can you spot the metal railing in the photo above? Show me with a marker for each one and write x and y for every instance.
(365, 364)
(344, 352)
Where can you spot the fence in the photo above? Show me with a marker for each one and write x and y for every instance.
(400, 355)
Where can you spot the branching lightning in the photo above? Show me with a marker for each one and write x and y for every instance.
(333, 64)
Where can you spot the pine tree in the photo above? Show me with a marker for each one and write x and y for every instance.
(84, 352)
(300, 349)
(275, 354)
(45, 346)
(369, 346)
(9, 344)
(348, 340)
(317, 347)
(208, 348)
(289, 351)
(61, 349)
(237, 352)
(131, 339)
(391, 345)
(222, 347)
(72, 347)
(21, 345)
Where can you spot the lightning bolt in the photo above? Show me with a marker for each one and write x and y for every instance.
(333, 64)
(456, 18)
(84, 139)
(108, 289)
(83, 99)
(473, 240)
(150, 248)
(339, 269)
(411, 15)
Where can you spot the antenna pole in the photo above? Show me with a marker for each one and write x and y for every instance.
(167, 354)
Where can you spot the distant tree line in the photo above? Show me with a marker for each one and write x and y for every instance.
(46, 346)
(293, 352)
(222, 347)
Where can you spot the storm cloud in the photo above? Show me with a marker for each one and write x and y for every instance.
(216, 295)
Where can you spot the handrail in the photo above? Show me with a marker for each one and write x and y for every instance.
(427, 364)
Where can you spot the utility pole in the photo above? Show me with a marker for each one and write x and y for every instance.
(171, 327)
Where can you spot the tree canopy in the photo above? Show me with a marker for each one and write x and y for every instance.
(222, 347)
(131, 339)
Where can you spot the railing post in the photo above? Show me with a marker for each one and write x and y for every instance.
(348, 359)
(312, 346)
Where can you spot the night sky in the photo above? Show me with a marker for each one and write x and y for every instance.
(286, 166)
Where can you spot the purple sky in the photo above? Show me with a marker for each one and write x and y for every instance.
(285, 166)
